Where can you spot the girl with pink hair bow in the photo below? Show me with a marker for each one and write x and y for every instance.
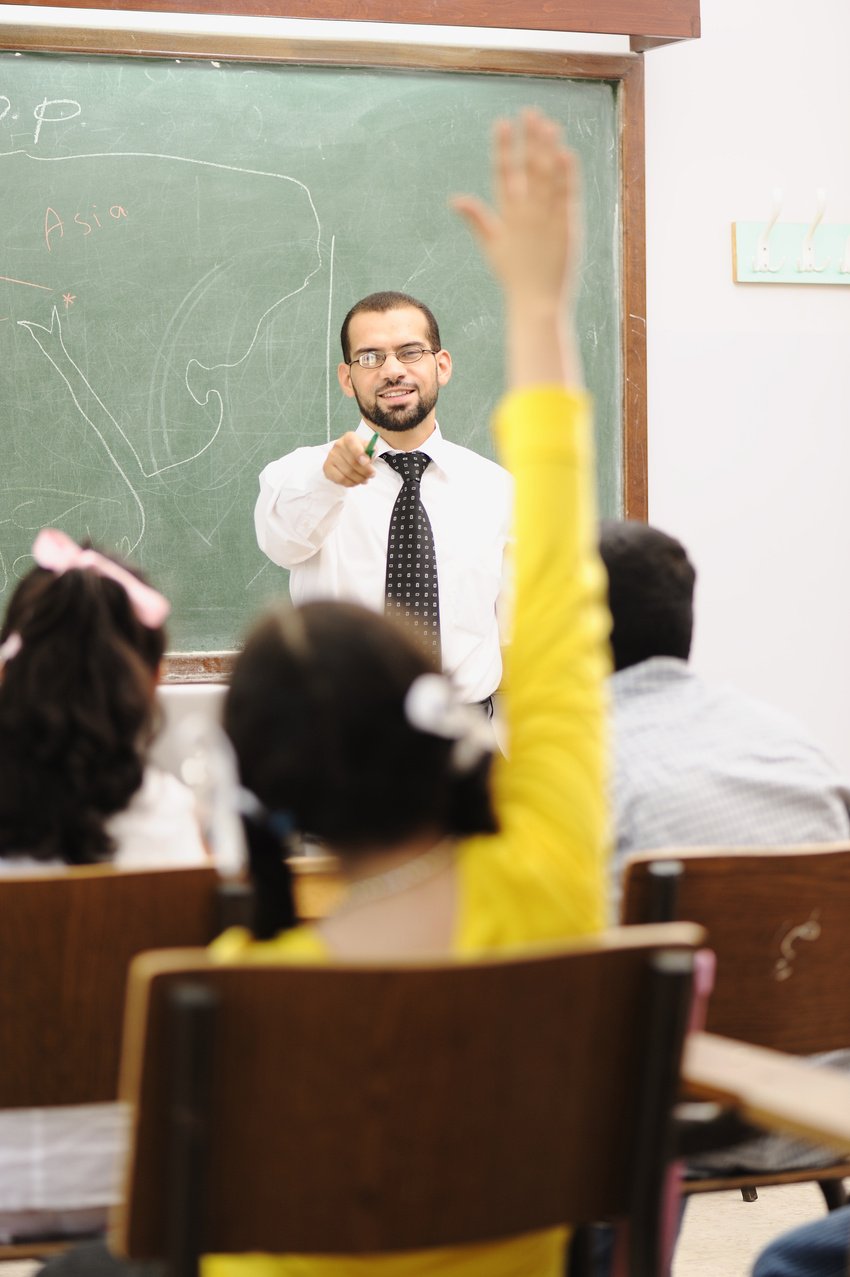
(80, 649)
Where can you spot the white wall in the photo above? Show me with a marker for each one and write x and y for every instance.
(749, 386)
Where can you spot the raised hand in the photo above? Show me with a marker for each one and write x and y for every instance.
(531, 239)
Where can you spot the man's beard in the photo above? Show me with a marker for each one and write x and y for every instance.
(399, 420)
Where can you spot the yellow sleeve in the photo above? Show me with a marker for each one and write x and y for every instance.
(237, 944)
(230, 945)
(544, 875)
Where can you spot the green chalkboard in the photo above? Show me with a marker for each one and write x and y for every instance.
(179, 241)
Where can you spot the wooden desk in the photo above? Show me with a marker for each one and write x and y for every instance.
(769, 1089)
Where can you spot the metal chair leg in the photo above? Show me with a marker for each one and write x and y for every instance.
(834, 1192)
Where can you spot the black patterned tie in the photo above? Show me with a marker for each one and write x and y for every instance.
(411, 587)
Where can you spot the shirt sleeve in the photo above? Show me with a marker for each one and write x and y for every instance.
(237, 944)
(544, 874)
(297, 507)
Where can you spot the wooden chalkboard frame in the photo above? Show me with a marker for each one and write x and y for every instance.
(648, 23)
(626, 70)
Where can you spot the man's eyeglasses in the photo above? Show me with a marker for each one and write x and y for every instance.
(407, 355)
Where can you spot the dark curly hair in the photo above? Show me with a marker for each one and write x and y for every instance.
(77, 712)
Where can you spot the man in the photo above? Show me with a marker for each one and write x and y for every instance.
(338, 515)
(697, 762)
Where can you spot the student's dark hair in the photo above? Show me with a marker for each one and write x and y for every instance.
(380, 302)
(77, 711)
(650, 592)
(273, 904)
(315, 711)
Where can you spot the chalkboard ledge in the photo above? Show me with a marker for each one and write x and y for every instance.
(198, 667)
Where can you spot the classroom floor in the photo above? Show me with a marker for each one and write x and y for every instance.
(722, 1233)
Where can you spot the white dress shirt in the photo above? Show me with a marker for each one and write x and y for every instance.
(333, 540)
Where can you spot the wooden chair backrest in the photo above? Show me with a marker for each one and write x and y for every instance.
(66, 940)
(365, 1108)
(778, 920)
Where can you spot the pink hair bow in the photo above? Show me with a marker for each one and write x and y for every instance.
(56, 551)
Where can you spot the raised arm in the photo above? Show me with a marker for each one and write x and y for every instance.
(550, 792)
(531, 239)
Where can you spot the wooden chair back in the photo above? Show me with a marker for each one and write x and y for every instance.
(363, 1108)
(777, 919)
(66, 941)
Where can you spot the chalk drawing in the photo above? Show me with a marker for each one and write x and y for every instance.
(54, 344)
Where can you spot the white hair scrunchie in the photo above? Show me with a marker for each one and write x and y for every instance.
(432, 706)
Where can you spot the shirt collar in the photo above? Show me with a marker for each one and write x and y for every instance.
(658, 671)
(433, 447)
